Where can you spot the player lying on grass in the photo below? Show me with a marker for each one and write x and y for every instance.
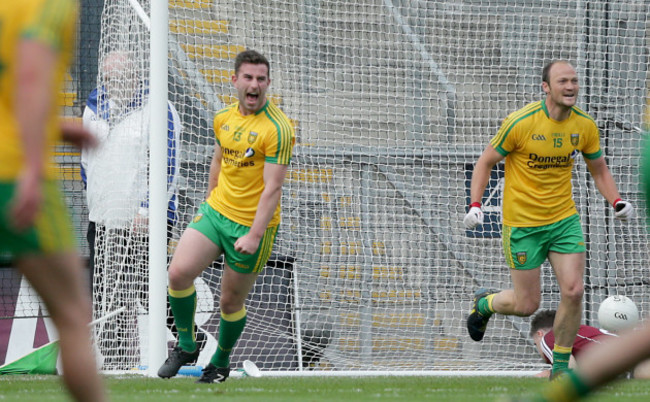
(541, 330)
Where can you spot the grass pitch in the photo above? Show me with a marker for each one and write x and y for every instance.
(305, 389)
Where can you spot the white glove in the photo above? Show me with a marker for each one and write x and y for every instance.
(624, 210)
(473, 218)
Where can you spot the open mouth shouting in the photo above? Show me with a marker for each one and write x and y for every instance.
(252, 98)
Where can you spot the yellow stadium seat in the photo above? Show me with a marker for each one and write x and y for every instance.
(67, 98)
(192, 4)
(217, 76)
(213, 51)
(198, 27)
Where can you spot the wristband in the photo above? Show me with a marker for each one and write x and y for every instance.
(616, 201)
(475, 204)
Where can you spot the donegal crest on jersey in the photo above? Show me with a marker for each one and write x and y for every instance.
(575, 139)
(247, 143)
(540, 153)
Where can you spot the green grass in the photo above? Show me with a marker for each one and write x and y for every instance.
(305, 389)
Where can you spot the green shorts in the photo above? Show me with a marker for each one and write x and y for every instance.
(528, 248)
(51, 232)
(224, 233)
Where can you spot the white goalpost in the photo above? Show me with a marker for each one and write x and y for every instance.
(393, 101)
(158, 166)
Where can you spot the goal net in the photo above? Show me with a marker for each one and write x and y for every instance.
(392, 101)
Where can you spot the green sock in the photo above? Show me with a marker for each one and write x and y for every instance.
(561, 356)
(183, 305)
(485, 305)
(230, 328)
(567, 387)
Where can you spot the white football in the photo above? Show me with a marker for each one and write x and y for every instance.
(617, 312)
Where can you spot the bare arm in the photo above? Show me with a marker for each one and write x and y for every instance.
(481, 174)
(215, 169)
(33, 100)
(603, 179)
(273, 179)
(73, 132)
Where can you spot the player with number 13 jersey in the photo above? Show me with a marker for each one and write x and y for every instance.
(247, 142)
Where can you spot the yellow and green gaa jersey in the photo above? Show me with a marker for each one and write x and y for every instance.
(540, 153)
(247, 143)
(52, 23)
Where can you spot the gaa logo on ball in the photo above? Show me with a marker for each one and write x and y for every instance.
(617, 312)
(620, 316)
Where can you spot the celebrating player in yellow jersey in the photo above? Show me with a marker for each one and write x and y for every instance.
(254, 142)
(36, 45)
(540, 143)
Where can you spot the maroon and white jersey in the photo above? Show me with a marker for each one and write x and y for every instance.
(586, 337)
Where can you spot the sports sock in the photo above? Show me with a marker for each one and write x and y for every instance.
(567, 387)
(485, 305)
(183, 305)
(230, 328)
(561, 356)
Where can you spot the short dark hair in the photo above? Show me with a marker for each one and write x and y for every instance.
(542, 320)
(252, 57)
(546, 71)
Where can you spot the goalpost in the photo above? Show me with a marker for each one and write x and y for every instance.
(393, 101)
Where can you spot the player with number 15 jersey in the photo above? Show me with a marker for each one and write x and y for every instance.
(540, 153)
